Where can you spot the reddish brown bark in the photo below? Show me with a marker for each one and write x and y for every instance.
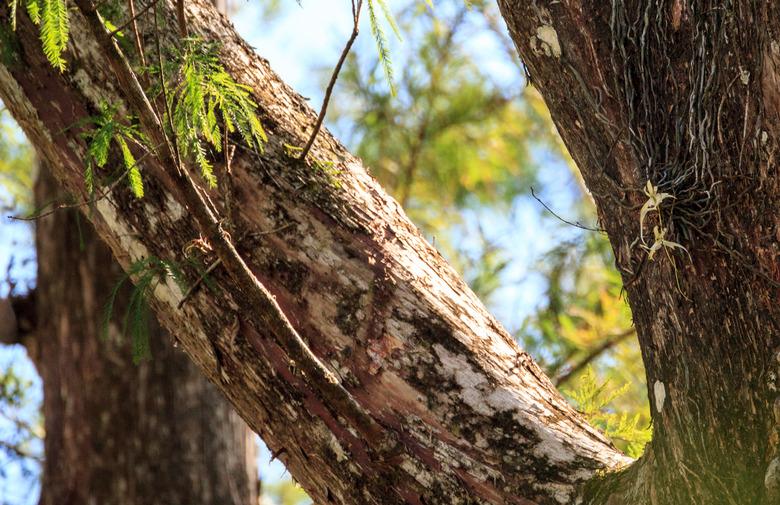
(683, 94)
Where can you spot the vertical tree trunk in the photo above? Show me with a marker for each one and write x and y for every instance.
(682, 96)
(119, 433)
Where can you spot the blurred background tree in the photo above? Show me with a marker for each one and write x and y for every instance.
(460, 145)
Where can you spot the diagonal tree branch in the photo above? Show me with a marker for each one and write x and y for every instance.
(433, 402)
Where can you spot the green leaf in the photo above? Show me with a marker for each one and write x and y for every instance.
(390, 18)
(133, 174)
(146, 273)
(101, 138)
(593, 400)
(204, 94)
(34, 11)
(381, 45)
(54, 31)
(89, 178)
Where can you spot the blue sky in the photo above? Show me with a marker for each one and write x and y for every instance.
(297, 42)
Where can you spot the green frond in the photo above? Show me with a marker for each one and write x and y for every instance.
(101, 138)
(34, 11)
(109, 129)
(133, 174)
(135, 322)
(206, 168)
(109, 310)
(146, 273)
(381, 45)
(54, 31)
(205, 94)
(390, 18)
(139, 333)
(593, 401)
(89, 178)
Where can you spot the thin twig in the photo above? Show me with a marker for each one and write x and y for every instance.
(575, 223)
(89, 201)
(165, 95)
(198, 282)
(181, 18)
(592, 355)
(138, 44)
(356, 8)
(218, 262)
(19, 452)
(133, 19)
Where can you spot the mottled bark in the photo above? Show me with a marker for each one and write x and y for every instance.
(119, 433)
(464, 415)
(684, 94)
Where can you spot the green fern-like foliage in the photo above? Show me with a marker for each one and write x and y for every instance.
(109, 128)
(381, 39)
(593, 401)
(52, 17)
(54, 31)
(207, 102)
(34, 11)
(145, 273)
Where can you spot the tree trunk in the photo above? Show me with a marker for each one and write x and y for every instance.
(683, 94)
(117, 433)
(431, 401)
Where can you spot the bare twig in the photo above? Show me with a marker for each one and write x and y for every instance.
(19, 452)
(88, 201)
(198, 282)
(356, 8)
(138, 44)
(134, 18)
(218, 262)
(180, 16)
(592, 355)
(575, 223)
(174, 140)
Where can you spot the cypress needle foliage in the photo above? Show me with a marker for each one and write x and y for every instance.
(33, 10)
(146, 273)
(593, 399)
(207, 102)
(110, 128)
(381, 40)
(52, 17)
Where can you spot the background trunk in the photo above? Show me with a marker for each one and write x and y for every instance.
(119, 433)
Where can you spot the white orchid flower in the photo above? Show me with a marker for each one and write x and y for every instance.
(654, 199)
(660, 242)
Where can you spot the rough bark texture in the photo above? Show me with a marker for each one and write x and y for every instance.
(684, 94)
(680, 93)
(119, 433)
(466, 416)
